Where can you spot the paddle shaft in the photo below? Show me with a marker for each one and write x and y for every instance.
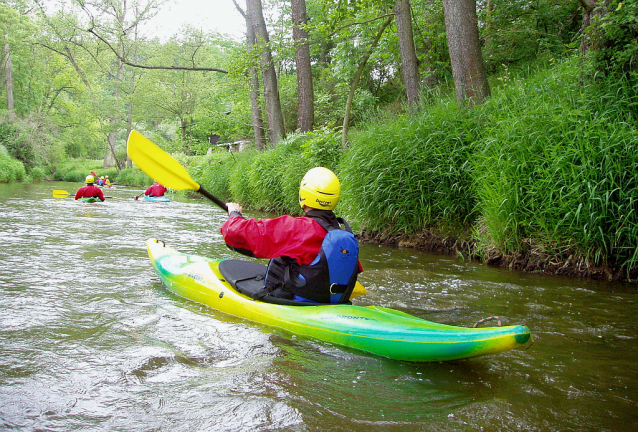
(65, 194)
(214, 199)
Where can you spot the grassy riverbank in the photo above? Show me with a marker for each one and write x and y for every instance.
(544, 176)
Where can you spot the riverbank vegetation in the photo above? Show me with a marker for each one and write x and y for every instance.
(520, 151)
(541, 177)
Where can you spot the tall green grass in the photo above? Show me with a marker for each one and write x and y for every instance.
(559, 172)
(407, 174)
(549, 165)
(133, 177)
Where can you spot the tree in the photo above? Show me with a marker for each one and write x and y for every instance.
(8, 77)
(305, 91)
(461, 25)
(255, 108)
(15, 31)
(357, 76)
(121, 31)
(409, 61)
(588, 12)
(610, 32)
(276, 131)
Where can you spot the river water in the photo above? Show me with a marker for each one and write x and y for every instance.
(91, 341)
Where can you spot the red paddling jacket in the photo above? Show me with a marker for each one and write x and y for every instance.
(89, 191)
(156, 190)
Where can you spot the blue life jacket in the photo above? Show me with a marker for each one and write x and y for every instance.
(332, 275)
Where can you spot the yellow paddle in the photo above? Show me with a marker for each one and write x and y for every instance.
(64, 194)
(60, 193)
(161, 166)
(358, 290)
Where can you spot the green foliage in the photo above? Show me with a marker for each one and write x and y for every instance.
(322, 147)
(37, 174)
(76, 170)
(241, 190)
(520, 31)
(614, 37)
(30, 140)
(214, 172)
(11, 170)
(406, 174)
(134, 177)
(558, 170)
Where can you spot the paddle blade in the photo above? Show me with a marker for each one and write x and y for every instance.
(158, 164)
(60, 193)
(358, 290)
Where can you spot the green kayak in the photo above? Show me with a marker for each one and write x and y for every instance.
(229, 286)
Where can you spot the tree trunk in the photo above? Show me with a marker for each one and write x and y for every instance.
(112, 137)
(276, 131)
(409, 61)
(468, 70)
(305, 91)
(9, 79)
(589, 12)
(255, 112)
(355, 81)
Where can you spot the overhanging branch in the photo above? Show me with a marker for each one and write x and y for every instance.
(135, 65)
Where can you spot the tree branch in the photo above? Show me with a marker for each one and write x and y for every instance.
(128, 63)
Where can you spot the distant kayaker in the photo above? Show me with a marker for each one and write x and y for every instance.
(155, 190)
(311, 257)
(100, 181)
(90, 190)
(107, 182)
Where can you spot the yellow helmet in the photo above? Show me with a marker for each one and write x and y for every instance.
(320, 189)
(89, 179)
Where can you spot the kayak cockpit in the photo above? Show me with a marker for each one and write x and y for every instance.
(248, 278)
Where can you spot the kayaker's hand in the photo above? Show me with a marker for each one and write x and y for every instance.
(233, 207)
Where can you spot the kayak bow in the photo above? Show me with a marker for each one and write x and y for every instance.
(374, 329)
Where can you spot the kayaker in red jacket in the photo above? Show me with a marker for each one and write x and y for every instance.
(90, 190)
(299, 256)
(155, 190)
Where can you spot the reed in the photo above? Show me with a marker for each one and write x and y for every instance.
(549, 164)
(402, 176)
(557, 170)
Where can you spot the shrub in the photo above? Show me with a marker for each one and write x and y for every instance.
(133, 177)
(37, 174)
(11, 170)
(615, 40)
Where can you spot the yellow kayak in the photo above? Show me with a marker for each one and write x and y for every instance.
(373, 329)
